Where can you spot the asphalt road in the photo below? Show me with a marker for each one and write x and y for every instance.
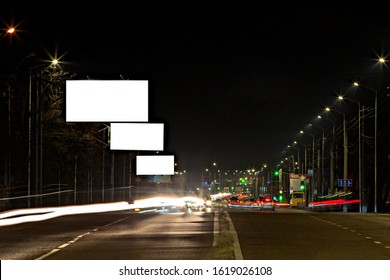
(303, 235)
(283, 234)
(112, 236)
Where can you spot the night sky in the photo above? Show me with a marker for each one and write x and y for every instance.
(233, 83)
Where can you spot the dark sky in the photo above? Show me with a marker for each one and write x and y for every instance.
(233, 83)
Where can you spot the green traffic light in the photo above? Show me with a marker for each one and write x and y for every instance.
(276, 173)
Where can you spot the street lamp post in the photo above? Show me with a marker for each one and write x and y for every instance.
(38, 69)
(103, 130)
(322, 156)
(304, 169)
(375, 141)
(289, 146)
(8, 165)
(331, 159)
(341, 98)
(345, 173)
(312, 165)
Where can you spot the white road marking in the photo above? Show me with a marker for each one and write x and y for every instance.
(236, 242)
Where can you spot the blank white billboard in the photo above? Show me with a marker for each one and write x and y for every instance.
(155, 165)
(106, 101)
(137, 136)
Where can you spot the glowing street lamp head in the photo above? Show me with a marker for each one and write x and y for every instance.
(340, 97)
(327, 109)
(7, 32)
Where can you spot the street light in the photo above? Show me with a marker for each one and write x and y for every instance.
(331, 159)
(322, 156)
(104, 129)
(345, 173)
(289, 146)
(288, 162)
(9, 31)
(356, 84)
(312, 164)
(342, 98)
(304, 169)
(38, 121)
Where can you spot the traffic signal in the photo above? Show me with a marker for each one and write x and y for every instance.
(243, 181)
(303, 186)
(218, 188)
(276, 173)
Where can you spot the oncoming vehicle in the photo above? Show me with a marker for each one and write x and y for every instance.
(297, 199)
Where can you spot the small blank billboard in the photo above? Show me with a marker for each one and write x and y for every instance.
(137, 136)
(155, 165)
(106, 101)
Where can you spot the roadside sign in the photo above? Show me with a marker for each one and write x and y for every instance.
(310, 171)
(344, 182)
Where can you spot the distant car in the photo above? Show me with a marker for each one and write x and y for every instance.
(234, 201)
(265, 202)
(242, 202)
(249, 202)
(193, 205)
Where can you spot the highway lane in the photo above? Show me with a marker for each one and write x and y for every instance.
(113, 235)
(288, 234)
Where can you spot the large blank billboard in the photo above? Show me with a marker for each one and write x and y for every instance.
(137, 136)
(106, 101)
(155, 165)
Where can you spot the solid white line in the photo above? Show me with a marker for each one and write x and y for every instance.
(236, 242)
